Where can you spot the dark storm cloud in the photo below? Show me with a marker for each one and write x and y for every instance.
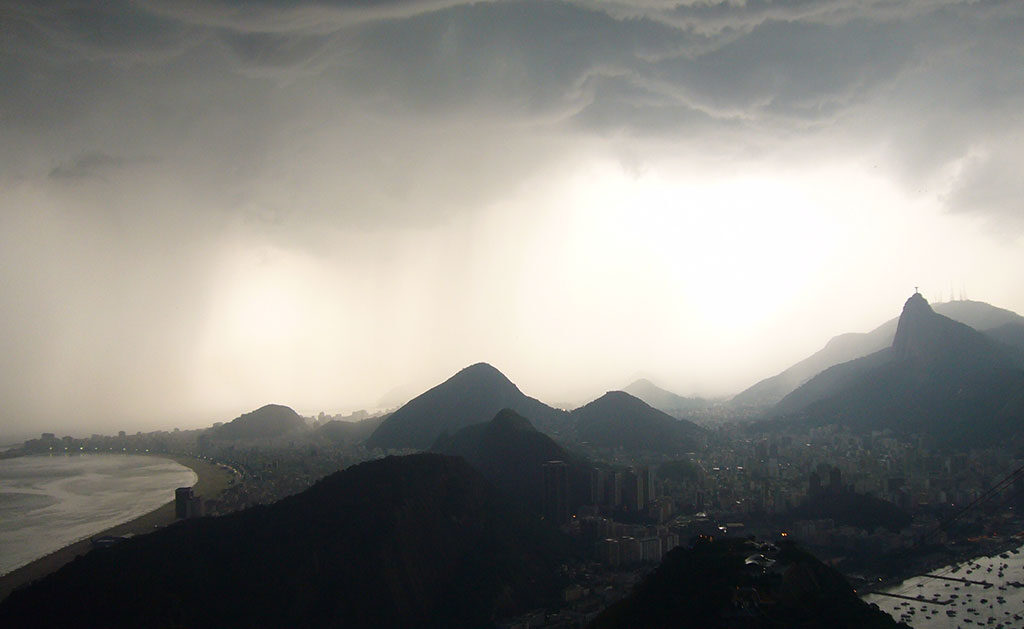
(992, 185)
(269, 16)
(231, 81)
(74, 32)
(728, 18)
(92, 164)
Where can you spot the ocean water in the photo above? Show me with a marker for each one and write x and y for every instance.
(964, 603)
(48, 502)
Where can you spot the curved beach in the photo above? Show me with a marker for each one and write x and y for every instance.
(212, 480)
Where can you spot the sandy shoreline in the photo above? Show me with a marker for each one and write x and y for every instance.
(212, 480)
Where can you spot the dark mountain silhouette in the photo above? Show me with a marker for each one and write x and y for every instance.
(664, 401)
(978, 314)
(831, 381)
(472, 396)
(924, 337)
(420, 541)
(838, 350)
(846, 347)
(267, 422)
(713, 585)
(619, 420)
(1010, 334)
(348, 432)
(940, 377)
(509, 452)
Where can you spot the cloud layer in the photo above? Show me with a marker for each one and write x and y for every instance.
(237, 82)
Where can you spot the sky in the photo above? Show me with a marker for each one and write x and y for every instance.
(207, 207)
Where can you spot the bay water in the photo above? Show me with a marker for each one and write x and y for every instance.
(981, 592)
(48, 502)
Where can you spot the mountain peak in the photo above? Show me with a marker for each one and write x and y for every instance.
(508, 419)
(1001, 324)
(917, 329)
(481, 368)
(620, 420)
(664, 401)
(482, 373)
(923, 334)
(915, 303)
(927, 337)
(509, 452)
(472, 396)
(939, 376)
(269, 421)
(619, 396)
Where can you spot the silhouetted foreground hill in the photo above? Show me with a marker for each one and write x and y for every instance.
(510, 453)
(940, 377)
(712, 586)
(619, 420)
(400, 542)
(997, 323)
(472, 396)
(266, 422)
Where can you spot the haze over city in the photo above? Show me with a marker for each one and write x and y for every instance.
(206, 208)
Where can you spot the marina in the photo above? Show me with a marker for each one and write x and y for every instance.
(950, 598)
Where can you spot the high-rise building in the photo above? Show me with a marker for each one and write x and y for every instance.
(613, 490)
(187, 504)
(835, 480)
(631, 550)
(608, 552)
(632, 491)
(646, 486)
(182, 497)
(651, 549)
(556, 491)
(597, 486)
(814, 484)
(194, 507)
